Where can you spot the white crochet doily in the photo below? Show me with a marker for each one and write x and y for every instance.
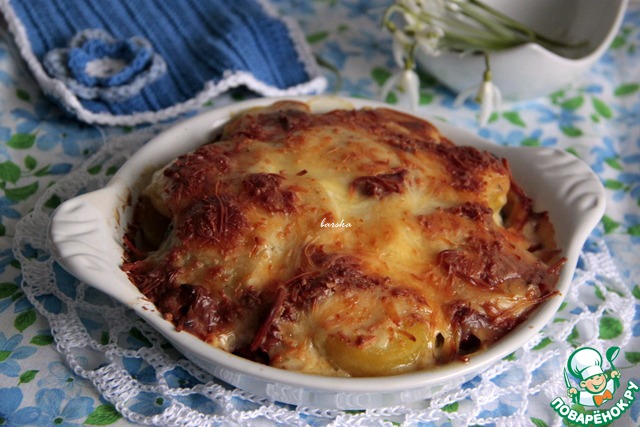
(127, 360)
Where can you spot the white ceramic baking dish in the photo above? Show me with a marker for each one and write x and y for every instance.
(86, 235)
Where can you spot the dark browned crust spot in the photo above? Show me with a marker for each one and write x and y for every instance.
(465, 164)
(188, 173)
(381, 185)
(266, 191)
(214, 221)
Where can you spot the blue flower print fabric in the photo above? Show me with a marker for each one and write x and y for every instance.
(122, 62)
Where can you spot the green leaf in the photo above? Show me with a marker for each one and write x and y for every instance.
(236, 95)
(21, 141)
(509, 357)
(613, 184)
(573, 151)
(317, 37)
(380, 75)
(27, 376)
(609, 224)
(137, 334)
(632, 357)
(573, 336)
(7, 289)
(25, 319)
(542, 344)
(452, 407)
(426, 98)
(53, 202)
(634, 230)
(112, 170)
(556, 97)
(573, 103)
(41, 340)
(530, 142)
(626, 89)
(4, 355)
(610, 327)
(104, 338)
(571, 131)
(23, 95)
(392, 98)
(103, 415)
(30, 162)
(615, 291)
(514, 118)
(537, 422)
(598, 294)
(342, 27)
(9, 172)
(614, 163)
(636, 292)
(602, 108)
(617, 42)
(94, 170)
(42, 171)
(21, 193)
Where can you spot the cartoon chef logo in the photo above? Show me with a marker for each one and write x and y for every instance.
(598, 385)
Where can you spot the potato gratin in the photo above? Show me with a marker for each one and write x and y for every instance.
(349, 243)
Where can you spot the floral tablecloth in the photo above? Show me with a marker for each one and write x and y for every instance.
(43, 382)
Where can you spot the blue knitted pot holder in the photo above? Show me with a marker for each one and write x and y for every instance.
(124, 62)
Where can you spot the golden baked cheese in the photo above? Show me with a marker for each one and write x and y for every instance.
(348, 243)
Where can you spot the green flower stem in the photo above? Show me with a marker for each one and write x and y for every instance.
(508, 21)
(386, 17)
(464, 43)
(409, 62)
(486, 77)
(496, 26)
(527, 33)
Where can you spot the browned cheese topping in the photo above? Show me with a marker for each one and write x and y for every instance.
(348, 243)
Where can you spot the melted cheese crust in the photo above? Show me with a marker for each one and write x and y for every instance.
(350, 243)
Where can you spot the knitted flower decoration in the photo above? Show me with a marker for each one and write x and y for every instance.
(98, 66)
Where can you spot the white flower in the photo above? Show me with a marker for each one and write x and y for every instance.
(487, 95)
(423, 24)
(490, 100)
(430, 42)
(400, 48)
(407, 84)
